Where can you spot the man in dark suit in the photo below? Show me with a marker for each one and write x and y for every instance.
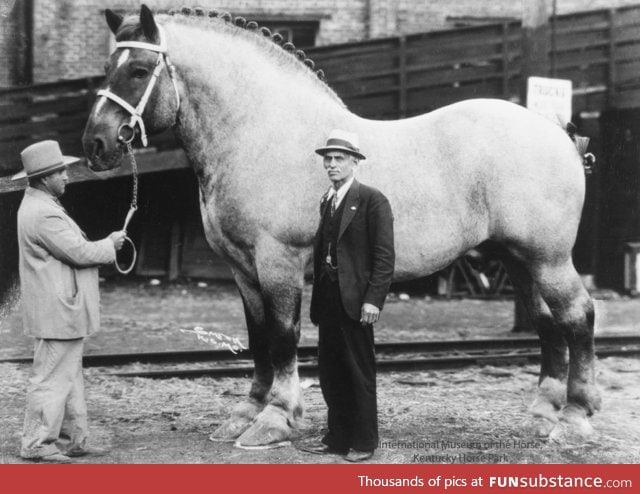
(353, 265)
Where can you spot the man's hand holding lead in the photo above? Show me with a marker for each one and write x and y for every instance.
(118, 239)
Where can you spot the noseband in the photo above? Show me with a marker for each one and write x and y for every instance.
(136, 113)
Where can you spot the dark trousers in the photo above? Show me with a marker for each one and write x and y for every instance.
(347, 367)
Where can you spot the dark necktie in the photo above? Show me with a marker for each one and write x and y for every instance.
(334, 202)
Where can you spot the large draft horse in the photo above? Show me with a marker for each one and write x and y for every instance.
(249, 113)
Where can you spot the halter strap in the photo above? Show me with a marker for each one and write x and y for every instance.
(136, 113)
(117, 99)
(161, 48)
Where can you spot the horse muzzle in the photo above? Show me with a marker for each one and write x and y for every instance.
(102, 154)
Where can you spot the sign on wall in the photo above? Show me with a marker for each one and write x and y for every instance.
(550, 98)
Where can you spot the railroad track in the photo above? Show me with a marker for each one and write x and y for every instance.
(399, 356)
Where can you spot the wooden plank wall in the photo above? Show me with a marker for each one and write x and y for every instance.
(45, 111)
(409, 75)
(625, 58)
(56, 111)
(600, 52)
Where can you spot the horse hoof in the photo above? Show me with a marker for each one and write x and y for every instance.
(240, 420)
(542, 427)
(545, 417)
(230, 430)
(269, 429)
(544, 410)
(574, 427)
(550, 392)
(577, 421)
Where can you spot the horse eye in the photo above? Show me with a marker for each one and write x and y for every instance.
(139, 73)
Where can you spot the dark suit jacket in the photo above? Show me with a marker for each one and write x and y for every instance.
(365, 251)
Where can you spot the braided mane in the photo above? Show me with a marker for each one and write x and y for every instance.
(287, 51)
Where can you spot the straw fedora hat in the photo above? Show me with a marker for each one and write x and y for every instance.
(42, 158)
(341, 140)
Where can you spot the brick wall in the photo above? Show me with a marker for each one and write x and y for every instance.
(8, 29)
(71, 38)
(419, 16)
(13, 43)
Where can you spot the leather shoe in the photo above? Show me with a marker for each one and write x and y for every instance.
(356, 456)
(52, 458)
(320, 449)
(75, 453)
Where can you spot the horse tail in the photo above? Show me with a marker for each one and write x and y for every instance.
(581, 142)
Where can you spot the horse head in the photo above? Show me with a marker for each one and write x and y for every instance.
(139, 94)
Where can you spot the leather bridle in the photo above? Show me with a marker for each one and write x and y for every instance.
(136, 119)
(136, 113)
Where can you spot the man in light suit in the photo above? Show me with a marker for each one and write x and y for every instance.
(353, 266)
(60, 306)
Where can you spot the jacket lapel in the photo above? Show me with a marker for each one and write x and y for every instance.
(323, 208)
(351, 204)
(324, 202)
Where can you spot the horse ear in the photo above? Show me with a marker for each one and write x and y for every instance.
(114, 21)
(149, 27)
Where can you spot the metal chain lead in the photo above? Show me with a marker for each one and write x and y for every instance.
(132, 209)
(134, 169)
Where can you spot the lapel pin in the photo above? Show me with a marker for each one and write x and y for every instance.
(353, 208)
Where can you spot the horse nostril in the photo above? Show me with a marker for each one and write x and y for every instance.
(98, 148)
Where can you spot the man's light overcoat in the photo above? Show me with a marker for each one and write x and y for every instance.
(58, 270)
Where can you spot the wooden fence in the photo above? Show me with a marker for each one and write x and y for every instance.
(408, 75)
(392, 77)
(599, 51)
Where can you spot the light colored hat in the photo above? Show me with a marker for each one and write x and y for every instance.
(42, 158)
(341, 140)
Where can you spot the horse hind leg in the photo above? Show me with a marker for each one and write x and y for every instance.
(551, 392)
(244, 413)
(573, 312)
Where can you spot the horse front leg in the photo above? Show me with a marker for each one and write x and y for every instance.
(244, 413)
(281, 278)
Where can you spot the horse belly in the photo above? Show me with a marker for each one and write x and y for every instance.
(424, 246)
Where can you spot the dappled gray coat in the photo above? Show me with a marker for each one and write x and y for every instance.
(58, 270)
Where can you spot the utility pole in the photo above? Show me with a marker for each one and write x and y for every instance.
(536, 42)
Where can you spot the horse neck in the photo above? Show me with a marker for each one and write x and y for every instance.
(239, 97)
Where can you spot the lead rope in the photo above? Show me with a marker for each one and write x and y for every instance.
(132, 209)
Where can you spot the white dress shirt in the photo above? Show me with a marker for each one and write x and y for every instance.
(341, 192)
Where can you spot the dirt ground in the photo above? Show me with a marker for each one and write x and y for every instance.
(474, 415)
